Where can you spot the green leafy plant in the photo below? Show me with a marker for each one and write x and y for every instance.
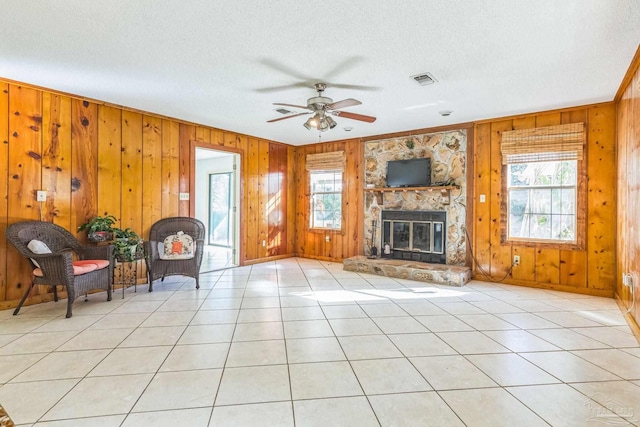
(409, 143)
(127, 244)
(99, 228)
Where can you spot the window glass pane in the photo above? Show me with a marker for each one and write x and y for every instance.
(518, 201)
(563, 227)
(518, 226)
(563, 201)
(540, 226)
(326, 199)
(540, 201)
(517, 175)
(567, 173)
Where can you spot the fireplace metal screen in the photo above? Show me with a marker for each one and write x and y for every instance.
(414, 235)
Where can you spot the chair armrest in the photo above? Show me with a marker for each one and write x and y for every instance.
(150, 249)
(56, 267)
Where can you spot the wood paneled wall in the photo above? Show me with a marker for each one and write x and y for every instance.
(94, 159)
(342, 244)
(591, 270)
(628, 140)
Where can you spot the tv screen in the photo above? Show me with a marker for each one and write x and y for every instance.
(409, 173)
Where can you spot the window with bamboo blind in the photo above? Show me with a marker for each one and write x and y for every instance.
(325, 174)
(544, 181)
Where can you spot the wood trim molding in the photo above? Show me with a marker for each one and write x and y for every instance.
(628, 77)
(458, 126)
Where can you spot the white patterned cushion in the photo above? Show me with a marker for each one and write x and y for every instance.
(177, 246)
(38, 247)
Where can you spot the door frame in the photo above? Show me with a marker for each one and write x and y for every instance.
(240, 190)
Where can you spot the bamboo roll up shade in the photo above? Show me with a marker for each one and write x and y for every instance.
(543, 144)
(325, 161)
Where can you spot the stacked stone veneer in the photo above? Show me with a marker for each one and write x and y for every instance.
(448, 154)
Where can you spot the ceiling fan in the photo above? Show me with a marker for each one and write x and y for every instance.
(322, 109)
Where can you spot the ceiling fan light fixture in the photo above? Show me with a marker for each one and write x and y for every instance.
(332, 123)
(308, 124)
(323, 125)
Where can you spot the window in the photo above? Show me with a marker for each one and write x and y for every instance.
(325, 209)
(325, 190)
(544, 183)
(542, 200)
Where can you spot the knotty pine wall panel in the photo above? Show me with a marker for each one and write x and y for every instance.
(628, 178)
(170, 168)
(24, 176)
(84, 164)
(263, 198)
(4, 176)
(151, 172)
(97, 159)
(109, 154)
(56, 158)
(132, 180)
(589, 270)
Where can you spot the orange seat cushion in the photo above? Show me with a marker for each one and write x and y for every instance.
(82, 267)
(99, 263)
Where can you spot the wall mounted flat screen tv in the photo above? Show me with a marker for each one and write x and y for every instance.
(409, 173)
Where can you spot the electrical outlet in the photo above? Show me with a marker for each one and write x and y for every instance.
(516, 260)
(483, 198)
(41, 196)
(184, 196)
(327, 238)
(627, 279)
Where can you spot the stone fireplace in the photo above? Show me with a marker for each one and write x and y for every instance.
(447, 197)
(414, 235)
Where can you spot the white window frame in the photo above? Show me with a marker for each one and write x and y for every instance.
(312, 199)
(551, 239)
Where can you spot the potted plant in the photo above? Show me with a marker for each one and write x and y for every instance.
(127, 245)
(100, 228)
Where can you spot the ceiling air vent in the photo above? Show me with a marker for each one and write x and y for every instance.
(424, 79)
(283, 111)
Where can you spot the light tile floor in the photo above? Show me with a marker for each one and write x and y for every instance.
(300, 343)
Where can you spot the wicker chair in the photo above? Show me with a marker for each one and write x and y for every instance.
(57, 267)
(159, 268)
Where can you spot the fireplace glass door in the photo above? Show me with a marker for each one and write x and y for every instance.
(401, 235)
(421, 239)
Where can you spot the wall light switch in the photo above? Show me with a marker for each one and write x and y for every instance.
(184, 196)
(483, 198)
(264, 243)
(41, 196)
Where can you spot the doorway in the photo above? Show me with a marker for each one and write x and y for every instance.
(216, 205)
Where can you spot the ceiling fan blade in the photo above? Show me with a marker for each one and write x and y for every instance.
(277, 66)
(292, 105)
(354, 87)
(286, 117)
(304, 85)
(354, 116)
(349, 102)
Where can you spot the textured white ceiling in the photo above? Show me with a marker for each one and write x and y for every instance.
(223, 64)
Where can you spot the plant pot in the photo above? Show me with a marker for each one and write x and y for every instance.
(100, 236)
(125, 251)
